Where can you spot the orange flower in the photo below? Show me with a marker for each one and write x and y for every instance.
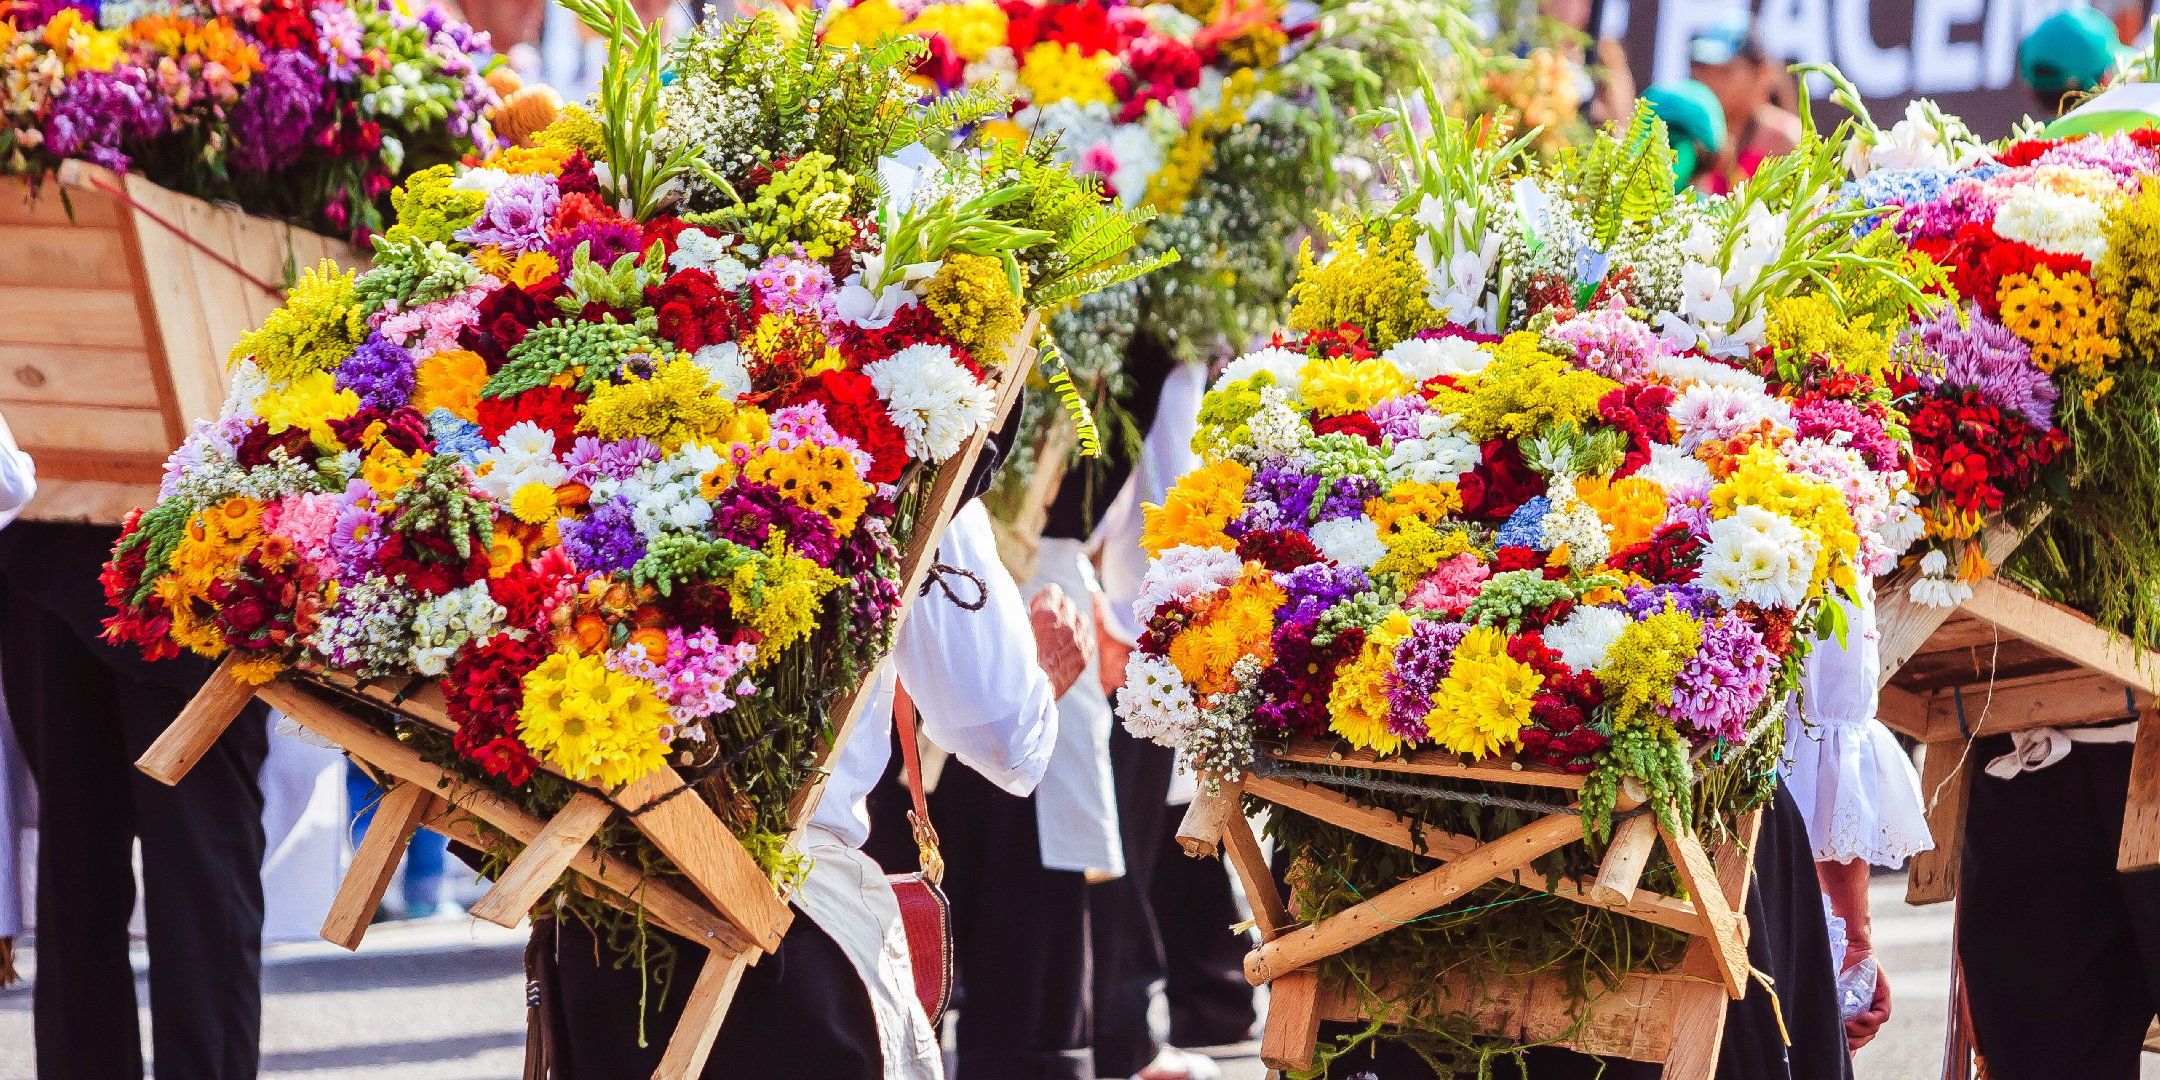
(653, 640)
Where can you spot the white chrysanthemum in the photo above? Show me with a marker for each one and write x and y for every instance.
(524, 455)
(2053, 221)
(1708, 413)
(667, 495)
(1759, 556)
(1586, 635)
(1156, 703)
(697, 249)
(1185, 572)
(1685, 369)
(724, 365)
(934, 401)
(1281, 363)
(1573, 522)
(1671, 467)
(483, 180)
(442, 625)
(1420, 359)
(1440, 454)
(1350, 541)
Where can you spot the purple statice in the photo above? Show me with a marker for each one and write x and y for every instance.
(593, 459)
(100, 112)
(604, 242)
(1842, 423)
(1422, 659)
(380, 371)
(2118, 154)
(1313, 588)
(1346, 498)
(795, 286)
(1725, 682)
(1525, 528)
(1644, 601)
(1397, 417)
(1279, 497)
(453, 434)
(607, 541)
(516, 215)
(278, 113)
(337, 32)
(1985, 356)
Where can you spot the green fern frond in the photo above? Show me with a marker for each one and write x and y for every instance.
(1058, 374)
(1077, 285)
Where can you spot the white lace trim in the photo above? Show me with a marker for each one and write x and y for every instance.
(1857, 791)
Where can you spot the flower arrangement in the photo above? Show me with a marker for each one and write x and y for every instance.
(1552, 468)
(2034, 391)
(620, 435)
(308, 110)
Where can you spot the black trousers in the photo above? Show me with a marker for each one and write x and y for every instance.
(1129, 957)
(801, 1012)
(2060, 950)
(1789, 941)
(84, 711)
(1020, 938)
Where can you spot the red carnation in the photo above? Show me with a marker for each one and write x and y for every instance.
(553, 408)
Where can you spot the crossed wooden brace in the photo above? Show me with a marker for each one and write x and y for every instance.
(1674, 1018)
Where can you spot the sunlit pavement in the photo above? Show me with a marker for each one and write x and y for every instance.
(443, 1000)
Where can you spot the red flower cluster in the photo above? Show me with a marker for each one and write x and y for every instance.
(482, 692)
(853, 409)
(1500, 484)
(1640, 411)
(1973, 453)
(1294, 689)
(1087, 24)
(1978, 260)
(145, 625)
(1671, 554)
(1559, 732)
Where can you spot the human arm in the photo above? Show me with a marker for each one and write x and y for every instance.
(18, 476)
(1845, 884)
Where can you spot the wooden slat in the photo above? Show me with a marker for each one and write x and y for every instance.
(1200, 830)
(544, 860)
(1290, 1038)
(704, 1010)
(1633, 840)
(1946, 775)
(92, 428)
(693, 838)
(1633, 1018)
(60, 316)
(1721, 925)
(2140, 848)
(1698, 1031)
(665, 903)
(397, 817)
(1906, 625)
(1427, 892)
(63, 257)
(2065, 633)
(1271, 916)
(87, 501)
(191, 734)
(2071, 700)
(18, 206)
(1429, 763)
(67, 376)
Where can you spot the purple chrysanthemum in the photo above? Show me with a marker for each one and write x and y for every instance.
(593, 459)
(606, 242)
(1986, 356)
(380, 372)
(1842, 423)
(516, 215)
(1726, 681)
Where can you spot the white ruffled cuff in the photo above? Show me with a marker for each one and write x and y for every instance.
(1858, 792)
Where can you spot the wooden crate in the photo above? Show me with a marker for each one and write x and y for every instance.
(1674, 1018)
(123, 298)
(730, 905)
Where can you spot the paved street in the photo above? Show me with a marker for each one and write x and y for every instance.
(441, 1000)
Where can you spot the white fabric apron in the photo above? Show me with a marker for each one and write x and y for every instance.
(847, 896)
(1076, 815)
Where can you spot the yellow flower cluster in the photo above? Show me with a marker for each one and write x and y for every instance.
(2129, 275)
(1373, 283)
(819, 478)
(592, 723)
(1644, 662)
(2067, 324)
(1055, 71)
(1810, 326)
(524, 271)
(316, 328)
(972, 29)
(1759, 478)
(863, 24)
(1195, 149)
(971, 295)
(1483, 703)
(779, 596)
(310, 403)
(1358, 703)
(1197, 509)
(205, 42)
(1238, 623)
(80, 44)
(215, 541)
(1413, 501)
(780, 338)
(450, 380)
(1631, 507)
(1341, 385)
(1523, 391)
(676, 405)
(1415, 547)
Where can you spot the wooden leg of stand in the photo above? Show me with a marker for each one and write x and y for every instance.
(1698, 1031)
(1946, 775)
(1721, 927)
(397, 817)
(1270, 914)
(543, 861)
(192, 733)
(702, 1013)
(1292, 1035)
(1200, 831)
(1632, 841)
(2141, 814)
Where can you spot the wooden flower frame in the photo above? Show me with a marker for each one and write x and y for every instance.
(1675, 1018)
(724, 901)
(123, 298)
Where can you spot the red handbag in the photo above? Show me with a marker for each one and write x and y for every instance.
(925, 913)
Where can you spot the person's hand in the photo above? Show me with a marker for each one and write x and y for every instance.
(1862, 1029)
(1111, 652)
(1061, 648)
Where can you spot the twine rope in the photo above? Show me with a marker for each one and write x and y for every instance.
(116, 191)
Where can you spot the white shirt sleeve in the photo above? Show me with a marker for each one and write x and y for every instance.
(1165, 455)
(1854, 785)
(973, 674)
(18, 478)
